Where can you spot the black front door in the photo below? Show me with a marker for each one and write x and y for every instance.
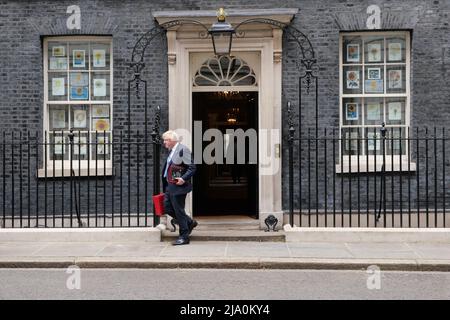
(221, 189)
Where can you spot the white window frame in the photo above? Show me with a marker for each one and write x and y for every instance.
(374, 163)
(62, 168)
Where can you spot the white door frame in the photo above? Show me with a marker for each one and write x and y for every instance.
(266, 42)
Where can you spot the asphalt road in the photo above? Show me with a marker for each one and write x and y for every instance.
(213, 284)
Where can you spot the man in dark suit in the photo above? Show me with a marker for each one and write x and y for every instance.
(177, 173)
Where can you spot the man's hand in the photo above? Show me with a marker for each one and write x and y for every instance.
(180, 181)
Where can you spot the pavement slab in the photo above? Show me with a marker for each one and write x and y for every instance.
(258, 249)
(19, 249)
(381, 250)
(431, 251)
(228, 255)
(131, 250)
(70, 249)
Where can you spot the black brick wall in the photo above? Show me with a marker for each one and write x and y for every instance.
(23, 24)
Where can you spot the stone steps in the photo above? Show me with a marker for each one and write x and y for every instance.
(227, 228)
(227, 235)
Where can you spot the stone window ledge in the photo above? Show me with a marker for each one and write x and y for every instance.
(364, 168)
(83, 172)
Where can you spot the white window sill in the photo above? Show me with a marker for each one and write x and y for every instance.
(83, 172)
(364, 168)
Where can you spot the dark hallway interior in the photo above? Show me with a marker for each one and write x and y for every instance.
(221, 189)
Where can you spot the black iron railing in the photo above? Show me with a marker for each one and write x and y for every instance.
(78, 179)
(375, 177)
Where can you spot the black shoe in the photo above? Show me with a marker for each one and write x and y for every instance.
(180, 241)
(192, 226)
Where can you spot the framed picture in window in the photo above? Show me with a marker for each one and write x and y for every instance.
(395, 79)
(59, 51)
(58, 119)
(79, 118)
(102, 145)
(99, 58)
(395, 51)
(395, 111)
(80, 145)
(353, 54)
(374, 52)
(351, 111)
(373, 73)
(373, 141)
(100, 111)
(79, 59)
(79, 79)
(352, 79)
(373, 111)
(58, 140)
(100, 88)
(100, 124)
(58, 63)
(59, 86)
(79, 93)
(374, 86)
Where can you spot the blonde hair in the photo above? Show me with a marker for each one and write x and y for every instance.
(171, 135)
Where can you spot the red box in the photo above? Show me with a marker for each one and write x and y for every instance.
(158, 202)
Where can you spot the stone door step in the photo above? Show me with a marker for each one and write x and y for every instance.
(228, 235)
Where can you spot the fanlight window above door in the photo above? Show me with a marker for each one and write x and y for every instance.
(225, 71)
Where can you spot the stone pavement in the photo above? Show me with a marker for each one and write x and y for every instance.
(227, 254)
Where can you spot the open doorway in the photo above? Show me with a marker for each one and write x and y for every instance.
(226, 189)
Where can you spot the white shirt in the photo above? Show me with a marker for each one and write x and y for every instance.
(172, 152)
(169, 158)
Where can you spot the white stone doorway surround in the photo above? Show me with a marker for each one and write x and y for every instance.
(261, 40)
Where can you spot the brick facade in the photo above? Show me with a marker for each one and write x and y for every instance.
(24, 24)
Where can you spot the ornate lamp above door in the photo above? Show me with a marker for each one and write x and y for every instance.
(222, 34)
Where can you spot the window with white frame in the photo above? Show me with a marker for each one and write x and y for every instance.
(78, 96)
(374, 89)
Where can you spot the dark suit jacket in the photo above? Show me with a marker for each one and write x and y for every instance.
(181, 157)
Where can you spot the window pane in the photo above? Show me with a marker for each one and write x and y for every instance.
(100, 56)
(395, 141)
(58, 117)
(351, 142)
(395, 111)
(352, 111)
(79, 56)
(80, 117)
(79, 86)
(374, 49)
(352, 80)
(57, 56)
(57, 86)
(396, 79)
(396, 49)
(58, 146)
(373, 77)
(373, 111)
(80, 146)
(373, 140)
(100, 146)
(352, 49)
(100, 86)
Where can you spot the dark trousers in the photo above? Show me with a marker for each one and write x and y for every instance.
(174, 207)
